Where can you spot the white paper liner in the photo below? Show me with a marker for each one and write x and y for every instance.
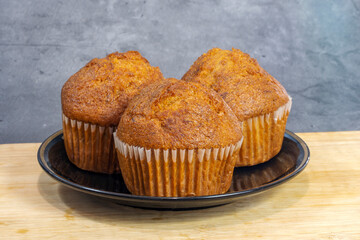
(90, 146)
(176, 172)
(281, 112)
(263, 136)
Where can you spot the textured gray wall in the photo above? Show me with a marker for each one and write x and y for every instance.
(311, 47)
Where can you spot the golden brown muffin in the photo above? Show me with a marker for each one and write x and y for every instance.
(257, 99)
(177, 138)
(93, 100)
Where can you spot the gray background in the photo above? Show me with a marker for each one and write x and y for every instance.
(311, 47)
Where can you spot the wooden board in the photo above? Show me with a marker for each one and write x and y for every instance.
(323, 202)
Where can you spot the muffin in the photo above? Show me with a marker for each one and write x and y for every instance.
(93, 100)
(257, 99)
(177, 139)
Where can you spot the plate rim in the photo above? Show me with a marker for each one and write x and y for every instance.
(126, 196)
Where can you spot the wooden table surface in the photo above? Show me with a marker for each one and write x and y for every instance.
(322, 202)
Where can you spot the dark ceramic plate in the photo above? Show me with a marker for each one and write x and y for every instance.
(291, 160)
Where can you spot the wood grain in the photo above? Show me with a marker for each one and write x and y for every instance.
(323, 202)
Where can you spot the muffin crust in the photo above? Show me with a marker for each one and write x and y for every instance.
(246, 87)
(99, 92)
(175, 114)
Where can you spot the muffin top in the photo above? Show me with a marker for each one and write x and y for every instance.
(247, 88)
(177, 114)
(99, 92)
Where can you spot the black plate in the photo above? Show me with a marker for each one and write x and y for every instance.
(291, 160)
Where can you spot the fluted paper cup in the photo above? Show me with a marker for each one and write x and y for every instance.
(176, 172)
(90, 146)
(263, 136)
